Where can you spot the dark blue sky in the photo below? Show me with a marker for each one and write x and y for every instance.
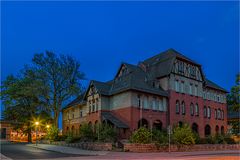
(101, 35)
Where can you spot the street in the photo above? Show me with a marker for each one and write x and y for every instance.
(21, 151)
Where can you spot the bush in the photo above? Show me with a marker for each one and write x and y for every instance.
(106, 133)
(52, 133)
(71, 139)
(142, 135)
(160, 137)
(61, 137)
(183, 135)
(86, 132)
(197, 138)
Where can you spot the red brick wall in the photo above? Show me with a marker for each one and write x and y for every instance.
(200, 120)
(131, 147)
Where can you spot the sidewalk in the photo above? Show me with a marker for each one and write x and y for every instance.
(68, 150)
(2, 157)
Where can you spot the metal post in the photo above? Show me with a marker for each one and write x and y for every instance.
(36, 135)
(169, 139)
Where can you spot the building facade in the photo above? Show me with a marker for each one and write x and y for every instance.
(165, 90)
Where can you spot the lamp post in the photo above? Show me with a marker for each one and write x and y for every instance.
(36, 123)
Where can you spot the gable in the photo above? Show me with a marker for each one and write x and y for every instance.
(187, 69)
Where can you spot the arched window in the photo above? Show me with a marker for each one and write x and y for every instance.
(183, 108)
(209, 112)
(196, 110)
(207, 130)
(157, 125)
(192, 109)
(217, 130)
(143, 123)
(195, 127)
(219, 114)
(205, 111)
(177, 107)
(222, 130)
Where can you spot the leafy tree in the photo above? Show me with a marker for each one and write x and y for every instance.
(183, 135)
(20, 98)
(52, 133)
(233, 102)
(142, 135)
(60, 79)
(233, 99)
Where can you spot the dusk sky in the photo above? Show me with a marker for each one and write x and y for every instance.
(101, 35)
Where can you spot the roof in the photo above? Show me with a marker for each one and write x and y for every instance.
(214, 86)
(78, 100)
(161, 64)
(109, 116)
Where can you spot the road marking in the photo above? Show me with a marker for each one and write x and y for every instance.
(3, 157)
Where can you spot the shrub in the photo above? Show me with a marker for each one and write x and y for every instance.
(160, 137)
(52, 133)
(86, 132)
(106, 133)
(183, 135)
(142, 135)
(197, 138)
(61, 137)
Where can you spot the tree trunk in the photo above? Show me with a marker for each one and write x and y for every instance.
(29, 133)
(56, 116)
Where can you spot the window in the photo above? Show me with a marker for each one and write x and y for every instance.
(93, 107)
(192, 109)
(81, 113)
(145, 102)
(204, 95)
(139, 100)
(73, 113)
(219, 114)
(196, 110)
(215, 114)
(161, 105)
(222, 113)
(177, 107)
(209, 112)
(154, 104)
(176, 86)
(205, 111)
(182, 87)
(180, 67)
(196, 90)
(190, 89)
(183, 108)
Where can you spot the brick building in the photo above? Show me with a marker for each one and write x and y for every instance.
(167, 89)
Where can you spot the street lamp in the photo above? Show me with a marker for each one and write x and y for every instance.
(36, 123)
(48, 126)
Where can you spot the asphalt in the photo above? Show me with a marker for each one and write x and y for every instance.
(22, 151)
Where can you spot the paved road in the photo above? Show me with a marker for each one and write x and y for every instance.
(21, 151)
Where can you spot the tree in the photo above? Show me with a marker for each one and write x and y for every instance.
(233, 102)
(21, 102)
(233, 98)
(60, 78)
